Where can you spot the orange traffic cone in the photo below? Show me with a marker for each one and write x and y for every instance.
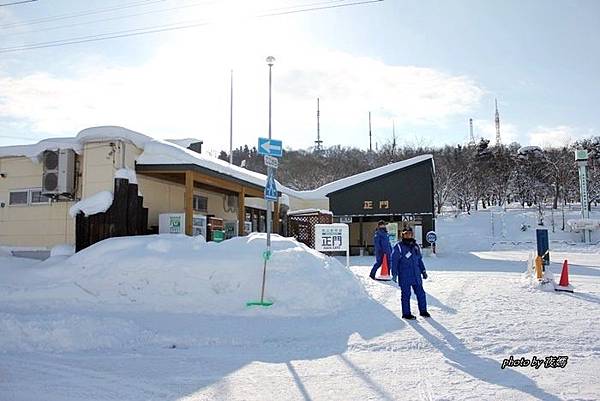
(385, 270)
(564, 285)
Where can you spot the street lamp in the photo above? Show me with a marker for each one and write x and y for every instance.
(270, 61)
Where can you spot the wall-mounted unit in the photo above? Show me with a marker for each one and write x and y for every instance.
(58, 177)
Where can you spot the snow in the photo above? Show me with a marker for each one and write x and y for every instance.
(323, 191)
(584, 224)
(93, 134)
(308, 211)
(163, 317)
(62, 250)
(176, 273)
(184, 142)
(174, 151)
(128, 174)
(97, 203)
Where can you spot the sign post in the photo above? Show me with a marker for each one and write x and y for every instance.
(268, 147)
(581, 157)
(333, 238)
(431, 237)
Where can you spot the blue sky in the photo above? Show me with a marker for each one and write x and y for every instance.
(428, 66)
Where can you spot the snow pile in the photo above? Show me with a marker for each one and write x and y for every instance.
(584, 224)
(97, 203)
(128, 174)
(177, 273)
(62, 250)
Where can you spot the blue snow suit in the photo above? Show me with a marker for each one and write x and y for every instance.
(407, 264)
(381, 240)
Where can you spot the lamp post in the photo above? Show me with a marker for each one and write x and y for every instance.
(270, 61)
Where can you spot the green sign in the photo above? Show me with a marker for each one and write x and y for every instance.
(218, 235)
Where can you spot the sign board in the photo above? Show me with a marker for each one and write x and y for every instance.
(271, 188)
(333, 238)
(270, 147)
(431, 237)
(581, 155)
(346, 219)
(271, 161)
(392, 229)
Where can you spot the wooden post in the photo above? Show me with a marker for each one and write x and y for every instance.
(189, 201)
(133, 212)
(119, 206)
(241, 210)
(276, 218)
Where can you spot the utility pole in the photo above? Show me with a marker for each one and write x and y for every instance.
(231, 120)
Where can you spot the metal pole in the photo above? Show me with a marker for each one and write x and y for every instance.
(269, 203)
(231, 120)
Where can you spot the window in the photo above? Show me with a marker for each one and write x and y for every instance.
(37, 197)
(18, 198)
(24, 197)
(200, 203)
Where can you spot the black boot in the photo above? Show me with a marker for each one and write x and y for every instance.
(409, 317)
(425, 314)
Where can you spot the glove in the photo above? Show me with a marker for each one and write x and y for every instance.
(424, 274)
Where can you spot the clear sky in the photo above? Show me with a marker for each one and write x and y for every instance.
(427, 66)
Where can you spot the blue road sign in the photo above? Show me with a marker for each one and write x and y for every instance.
(271, 188)
(431, 237)
(270, 147)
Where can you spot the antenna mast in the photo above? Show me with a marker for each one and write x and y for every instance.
(318, 142)
(498, 142)
(471, 135)
(370, 142)
(393, 137)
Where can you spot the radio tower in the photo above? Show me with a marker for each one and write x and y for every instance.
(471, 136)
(498, 141)
(318, 142)
(370, 141)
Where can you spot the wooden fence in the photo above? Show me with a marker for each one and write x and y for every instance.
(302, 226)
(126, 216)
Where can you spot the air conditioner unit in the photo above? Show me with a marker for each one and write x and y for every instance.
(58, 173)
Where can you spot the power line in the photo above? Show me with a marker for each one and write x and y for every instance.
(17, 2)
(80, 14)
(161, 28)
(53, 28)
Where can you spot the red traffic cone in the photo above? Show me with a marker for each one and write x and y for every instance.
(385, 270)
(564, 285)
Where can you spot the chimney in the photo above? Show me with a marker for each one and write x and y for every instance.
(196, 146)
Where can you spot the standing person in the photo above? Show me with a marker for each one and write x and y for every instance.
(381, 240)
(407, 264)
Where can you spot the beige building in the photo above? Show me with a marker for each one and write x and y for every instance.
(170, 177)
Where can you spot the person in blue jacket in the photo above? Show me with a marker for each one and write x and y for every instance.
(407, 264)
(381, 240)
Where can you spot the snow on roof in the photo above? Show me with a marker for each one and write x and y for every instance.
(171, 152)
(93, 134)
(159, 152)
(308, 211)
(334, 186)
(184, 142)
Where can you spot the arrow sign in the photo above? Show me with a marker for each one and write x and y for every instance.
(270, 147)
(271, 188)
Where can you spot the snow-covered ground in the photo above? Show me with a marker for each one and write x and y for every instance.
(163, 318)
